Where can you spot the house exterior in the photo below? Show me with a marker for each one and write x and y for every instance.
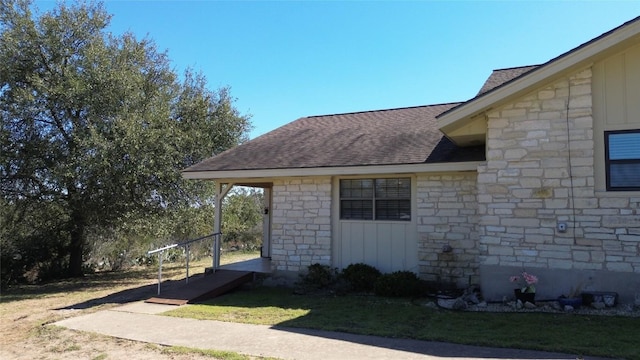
(540, 171)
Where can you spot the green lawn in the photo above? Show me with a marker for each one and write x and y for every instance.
(607, 336)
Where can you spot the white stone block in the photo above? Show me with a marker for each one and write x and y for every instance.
(500, 250)
(546, 94)
(619, 266)
(560, 264)
(582, 101)
(515, 154)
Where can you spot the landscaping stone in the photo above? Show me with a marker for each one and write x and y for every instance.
(460, 304)
(472, 298)
(529, 305)
(598, 305)
(446, 303)
(540, 306)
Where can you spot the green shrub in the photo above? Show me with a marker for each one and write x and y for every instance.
(361, 277)
(399, 284)
(318, 277)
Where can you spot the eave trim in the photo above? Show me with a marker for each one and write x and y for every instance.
(334, 171)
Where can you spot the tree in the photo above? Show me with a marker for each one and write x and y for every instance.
(100, 125)
(242, 217)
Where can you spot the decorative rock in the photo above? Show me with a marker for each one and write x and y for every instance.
(519, 304)
(568, 308)
(446, 303)
(482, 304)
(431, 304)
(598, 305)
(529, 305)
(472, 298)
(472, 295)
(459, 304)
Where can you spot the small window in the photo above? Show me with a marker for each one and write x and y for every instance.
(622, 157)
(379, 199)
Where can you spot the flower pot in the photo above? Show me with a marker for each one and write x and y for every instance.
(608, 298)
(574, 302)
(525, 296)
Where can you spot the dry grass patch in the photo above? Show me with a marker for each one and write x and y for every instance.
(25, 310)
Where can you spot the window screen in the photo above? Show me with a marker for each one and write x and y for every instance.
(622, 155)
(379, 199)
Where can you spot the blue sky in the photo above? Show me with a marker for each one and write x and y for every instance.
(288, 59)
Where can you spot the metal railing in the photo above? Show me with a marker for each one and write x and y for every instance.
(215, 252)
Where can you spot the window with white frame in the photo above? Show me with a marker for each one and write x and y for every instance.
(622, 159)
(375, 199)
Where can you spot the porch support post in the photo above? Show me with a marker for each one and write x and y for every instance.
(221, 191)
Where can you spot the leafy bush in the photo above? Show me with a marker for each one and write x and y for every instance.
(33, 242)
(362, 277)
(317, 277)
(399, 284)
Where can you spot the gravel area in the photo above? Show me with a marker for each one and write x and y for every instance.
(549, 306)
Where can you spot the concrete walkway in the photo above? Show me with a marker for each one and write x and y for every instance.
(140, 321)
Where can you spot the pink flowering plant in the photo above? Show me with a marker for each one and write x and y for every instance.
(526, 282)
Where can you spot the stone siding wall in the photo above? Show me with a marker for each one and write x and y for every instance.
(447, 217)
(539, 172)
(300, 223)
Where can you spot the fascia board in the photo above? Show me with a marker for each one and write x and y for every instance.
(575, 58)
(334, 171)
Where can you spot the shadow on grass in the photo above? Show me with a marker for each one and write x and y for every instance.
(120, 297)
(428, 348)
(199, 285)
(100, 281)
(406, 325)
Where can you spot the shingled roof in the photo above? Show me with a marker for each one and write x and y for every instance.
(384, 137)
(501, 76)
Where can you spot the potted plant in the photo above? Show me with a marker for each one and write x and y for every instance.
(573, 298)
(526, 290)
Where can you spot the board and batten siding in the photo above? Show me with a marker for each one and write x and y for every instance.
(387, 245)
(616, 102)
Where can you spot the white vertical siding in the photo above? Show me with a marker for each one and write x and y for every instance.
(616, 102)
(389, 246)
(616, 89)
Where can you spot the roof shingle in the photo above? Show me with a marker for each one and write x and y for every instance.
(384, 137)
(501, 76)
